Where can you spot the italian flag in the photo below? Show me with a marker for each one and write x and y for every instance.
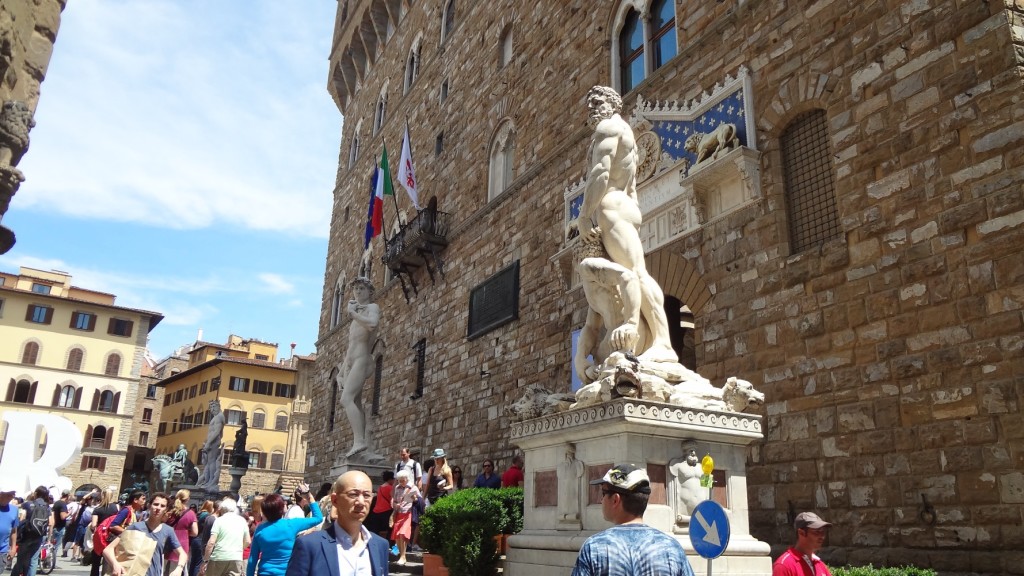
(384, 188)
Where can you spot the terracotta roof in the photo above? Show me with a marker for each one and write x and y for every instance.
(157, 317)
(229, 360)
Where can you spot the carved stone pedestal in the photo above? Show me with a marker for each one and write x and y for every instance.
(371, 466)
(644, 433)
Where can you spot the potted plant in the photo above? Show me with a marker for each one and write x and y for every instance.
(462, 527)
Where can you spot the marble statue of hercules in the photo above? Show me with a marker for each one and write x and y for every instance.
(611, 212)
(358, 364)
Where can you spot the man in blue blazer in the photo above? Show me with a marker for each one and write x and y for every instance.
(346, 548)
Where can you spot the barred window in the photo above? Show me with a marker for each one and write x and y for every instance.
(810, 184)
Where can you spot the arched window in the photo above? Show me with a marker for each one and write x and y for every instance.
(23, 392)
(505, 47)
(810, 184)
(113, 366)
(412, 66)
(334, 400)
(259, 418)
(106, 401)
(381, 111)
(631, 52)
(277, 460)
(337, 301)
(642, 41)
(30, 355)
(501, 160)
(448, 23)
(663, 32)
(67, 397)
(281, 421)
(75, 359)
(378, 371)
(99, 437)
(353, 152)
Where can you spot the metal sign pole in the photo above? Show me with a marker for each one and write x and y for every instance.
(710, 490)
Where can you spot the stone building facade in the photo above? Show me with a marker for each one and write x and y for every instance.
(72, 352)
(270, 395)
(855, 255)
(28, 30)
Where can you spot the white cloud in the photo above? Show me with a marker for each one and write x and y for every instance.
(186, 115)
(276, 284)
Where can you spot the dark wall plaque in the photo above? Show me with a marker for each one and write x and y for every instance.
(657, 473)
(595, 472)
(545, 488)
(494, 302)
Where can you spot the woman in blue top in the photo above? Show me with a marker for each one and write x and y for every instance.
(272, 543)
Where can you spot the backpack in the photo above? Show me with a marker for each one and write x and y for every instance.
(38, 522)
(102, 537)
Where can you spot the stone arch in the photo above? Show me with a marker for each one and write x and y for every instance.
(501, 158)
(678, 277)
(794, 96)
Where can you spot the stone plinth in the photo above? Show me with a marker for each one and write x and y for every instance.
(372, 468)
(643, 433)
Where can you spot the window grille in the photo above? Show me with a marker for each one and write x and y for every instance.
(810, 184)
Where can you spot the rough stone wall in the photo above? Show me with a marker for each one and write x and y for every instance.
(28, 30)
(891, 358)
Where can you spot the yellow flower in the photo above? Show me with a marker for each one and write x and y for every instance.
(707, 464)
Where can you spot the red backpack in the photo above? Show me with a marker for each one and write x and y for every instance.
(101, 538)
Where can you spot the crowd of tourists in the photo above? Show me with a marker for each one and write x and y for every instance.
(158, 534)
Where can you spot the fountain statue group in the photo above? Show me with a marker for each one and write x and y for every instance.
(179, 469)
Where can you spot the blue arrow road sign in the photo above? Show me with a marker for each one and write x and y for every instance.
(709, 529)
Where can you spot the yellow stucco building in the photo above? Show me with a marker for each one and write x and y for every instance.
(251, 385)
(71, 351)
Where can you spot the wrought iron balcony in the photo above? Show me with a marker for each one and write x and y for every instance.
(417, 244)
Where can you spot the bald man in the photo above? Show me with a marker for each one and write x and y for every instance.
(346, 548)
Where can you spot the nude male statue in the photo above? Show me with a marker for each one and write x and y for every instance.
(687, 473)
(213, 449)
(358, 363)
(611, 213)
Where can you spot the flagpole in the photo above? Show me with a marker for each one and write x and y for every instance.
(393, 196)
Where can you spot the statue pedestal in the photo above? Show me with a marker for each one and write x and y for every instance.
(236, 480)
(369, 462)
(644, 433)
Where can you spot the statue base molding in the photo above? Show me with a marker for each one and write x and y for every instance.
(645, 433)
(370, 463)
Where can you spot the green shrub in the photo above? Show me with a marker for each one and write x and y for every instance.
(461, 527)
(870, 570)
(512, 502)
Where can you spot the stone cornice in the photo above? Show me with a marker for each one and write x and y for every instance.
(630, 413)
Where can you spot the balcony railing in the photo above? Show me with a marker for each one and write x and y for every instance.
(417, 244)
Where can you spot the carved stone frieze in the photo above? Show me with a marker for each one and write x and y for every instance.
(640, 411)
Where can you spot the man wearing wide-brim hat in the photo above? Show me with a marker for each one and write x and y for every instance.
(800, 559)
(629, 547)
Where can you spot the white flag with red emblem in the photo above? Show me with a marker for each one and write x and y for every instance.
(406, 173)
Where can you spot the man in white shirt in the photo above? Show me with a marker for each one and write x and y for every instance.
(357, 551)
(407, 463)
(228, 538)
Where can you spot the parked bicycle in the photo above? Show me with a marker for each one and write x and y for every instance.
(47, 557)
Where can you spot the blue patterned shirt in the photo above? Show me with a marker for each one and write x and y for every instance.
(632, 550)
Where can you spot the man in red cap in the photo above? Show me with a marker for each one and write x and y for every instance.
(800, 559)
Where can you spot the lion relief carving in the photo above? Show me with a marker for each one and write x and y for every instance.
(711, 145)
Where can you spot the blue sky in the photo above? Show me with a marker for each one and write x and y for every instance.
(183, 159)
